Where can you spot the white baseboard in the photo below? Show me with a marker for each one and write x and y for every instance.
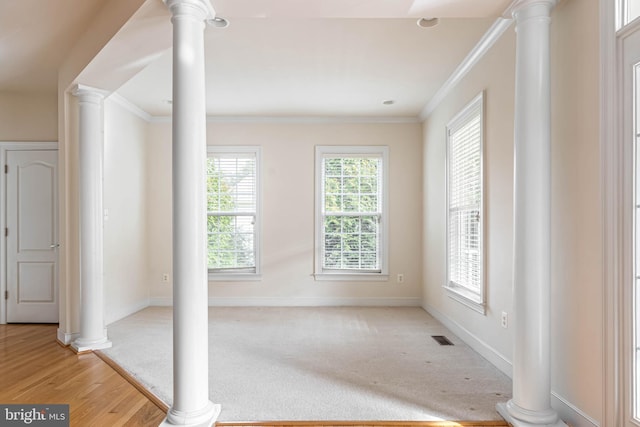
(484, 349)
(66, 338)
(124, 311)
(568, 412)
(299, 302)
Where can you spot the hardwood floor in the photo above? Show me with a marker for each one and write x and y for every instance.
(35, 369)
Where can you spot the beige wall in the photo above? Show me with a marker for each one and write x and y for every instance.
(28, 116)
(576, 281)
(577, 306)
(288, 212)
(126, 287)
(495, 75)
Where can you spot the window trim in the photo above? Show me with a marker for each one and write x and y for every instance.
(242, 274)
(474, 300)
(339, 275)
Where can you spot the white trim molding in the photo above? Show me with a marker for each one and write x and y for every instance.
(496, 358)
(299, 302)
(610, 189)
(123, 102)
(567, 410)
(300, 119)
(487, 41)
(123, 311)
(66, 338)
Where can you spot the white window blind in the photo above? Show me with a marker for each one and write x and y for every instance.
(465, 203)
(232, 209)
(351, 220)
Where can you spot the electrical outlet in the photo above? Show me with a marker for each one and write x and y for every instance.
(165, 277)
(400, 278)
(504, 320)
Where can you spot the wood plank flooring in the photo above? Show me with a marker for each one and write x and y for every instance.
(35, 369)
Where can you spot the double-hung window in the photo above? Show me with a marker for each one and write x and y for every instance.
(465, 272)
(351, 213)
(233, 201)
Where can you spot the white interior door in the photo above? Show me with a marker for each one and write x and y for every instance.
(31, 236)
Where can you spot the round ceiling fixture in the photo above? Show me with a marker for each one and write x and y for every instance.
(427, 22)
(218, 22)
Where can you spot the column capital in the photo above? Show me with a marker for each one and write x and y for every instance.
(88, 93)
(517, 6)
(200, 9)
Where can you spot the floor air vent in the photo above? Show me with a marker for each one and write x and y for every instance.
(441, 339)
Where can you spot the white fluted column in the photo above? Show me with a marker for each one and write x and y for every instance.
(531, 402)
(93, 334)
(191, 404)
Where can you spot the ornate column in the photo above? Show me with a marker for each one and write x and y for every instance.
(191, 404)
(93, 334)
(531, 402)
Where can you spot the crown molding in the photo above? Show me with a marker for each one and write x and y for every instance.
(487, 41)
(299, 119)
(129, 106)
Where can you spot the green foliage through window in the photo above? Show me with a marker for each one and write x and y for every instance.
(352, 209)
(231, 211)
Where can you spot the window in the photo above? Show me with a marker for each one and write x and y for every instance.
(628, 11)
(465, 206)
(351, 218)
(233, 211)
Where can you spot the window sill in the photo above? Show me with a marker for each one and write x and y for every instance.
(352, 277)
(471, 300)
(234, 277)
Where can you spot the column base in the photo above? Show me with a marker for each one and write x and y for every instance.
(203, 418)
(520, 417)
(84, 346)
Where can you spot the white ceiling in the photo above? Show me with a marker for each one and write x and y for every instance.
(277, 57)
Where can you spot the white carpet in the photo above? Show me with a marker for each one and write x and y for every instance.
(342, 363)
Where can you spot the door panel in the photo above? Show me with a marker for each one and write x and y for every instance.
(32, 270)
